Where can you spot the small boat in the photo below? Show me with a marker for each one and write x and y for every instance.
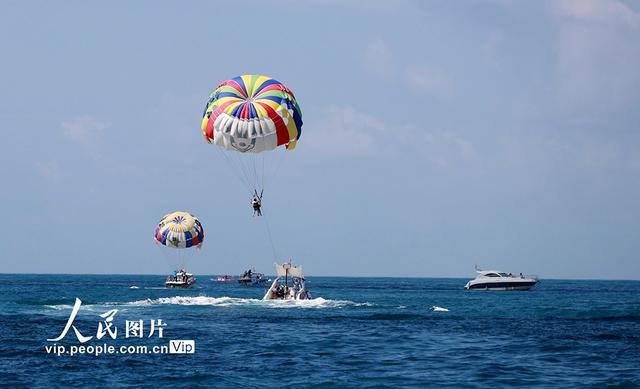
(223, 278)
(251, 277)
(288, 285)
(497, 280)
(180, 279)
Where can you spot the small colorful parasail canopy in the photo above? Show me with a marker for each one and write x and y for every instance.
(179, 230)
(252, 113)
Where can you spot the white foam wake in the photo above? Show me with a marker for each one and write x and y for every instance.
(84, 307)
(224, 301)
(313, 303)
(234, 301)
(59, 307)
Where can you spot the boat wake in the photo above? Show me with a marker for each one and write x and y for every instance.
(59, 307)
(234, 301)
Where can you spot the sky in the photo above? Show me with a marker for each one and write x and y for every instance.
(437, 135)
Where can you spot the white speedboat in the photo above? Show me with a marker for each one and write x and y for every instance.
(180, 279)
(288, 285)
(497, 280)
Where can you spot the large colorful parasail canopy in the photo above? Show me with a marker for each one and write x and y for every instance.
(179, 230)
(252, 113)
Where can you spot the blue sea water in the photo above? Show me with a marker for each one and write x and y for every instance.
(357, 332)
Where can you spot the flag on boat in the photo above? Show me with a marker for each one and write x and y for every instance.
(289, 270)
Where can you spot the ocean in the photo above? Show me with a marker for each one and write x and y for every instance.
(356, 332)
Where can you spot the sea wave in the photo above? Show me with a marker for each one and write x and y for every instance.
(226, 301)
(84, 307)
(59, 307)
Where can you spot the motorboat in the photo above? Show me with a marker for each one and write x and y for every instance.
(180, 279)
(289, 284)
(251, 277)
(498, 280)
(224, 278)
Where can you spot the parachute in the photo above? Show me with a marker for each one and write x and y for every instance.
(248, 116)
(252, 113)
(174, 233)
(179, 230)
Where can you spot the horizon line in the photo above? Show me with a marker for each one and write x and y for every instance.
(314, 276)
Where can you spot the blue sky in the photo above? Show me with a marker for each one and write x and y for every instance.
(437, 135)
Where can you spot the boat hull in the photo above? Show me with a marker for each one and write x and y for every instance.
(504, 285)
(177, 284)
(251, 282)
(253, 279)
(274, 293)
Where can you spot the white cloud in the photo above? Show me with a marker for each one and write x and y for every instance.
(597, 56)
(374, 5)
(83, 129)
(348, 132)
(424, 79)
(603, 11)
(446, 149)
(378, 60)
(551, 153)
(491, 49)
(50, 170)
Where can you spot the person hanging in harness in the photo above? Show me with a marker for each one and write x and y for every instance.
(256, 203)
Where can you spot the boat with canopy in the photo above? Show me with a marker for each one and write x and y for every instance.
(289, 284)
